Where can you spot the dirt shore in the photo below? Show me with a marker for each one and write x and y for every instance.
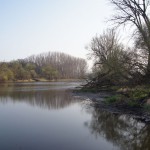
(98, 100)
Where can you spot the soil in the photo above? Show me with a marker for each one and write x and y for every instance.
(98, 100)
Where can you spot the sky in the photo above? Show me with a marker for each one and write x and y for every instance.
(30, 27)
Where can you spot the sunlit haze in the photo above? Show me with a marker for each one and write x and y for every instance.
(36, 26)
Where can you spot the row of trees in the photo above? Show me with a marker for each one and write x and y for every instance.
(115, 63)
(50, 66)
(66, 65)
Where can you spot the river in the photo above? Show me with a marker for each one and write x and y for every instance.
(48, 116)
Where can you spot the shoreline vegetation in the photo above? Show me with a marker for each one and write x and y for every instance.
(51, 66)
(118, 68)
(121, 68)
(133, 101)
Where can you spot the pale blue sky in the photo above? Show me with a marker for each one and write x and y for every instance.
(34, 26)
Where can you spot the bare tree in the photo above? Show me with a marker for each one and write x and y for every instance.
(114, 64)
(136, 13)
(67, 66)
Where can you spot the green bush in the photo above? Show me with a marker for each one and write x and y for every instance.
(113, 99)
(3, 77)
(139, 94)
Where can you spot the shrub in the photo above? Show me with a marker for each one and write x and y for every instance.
(113, 99)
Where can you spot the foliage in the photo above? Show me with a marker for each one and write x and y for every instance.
(49, 72)
(64, 66)
(114, 64)
(138, 94)
(136, 13)
(133, 97)
(114, 99)
(49, 66)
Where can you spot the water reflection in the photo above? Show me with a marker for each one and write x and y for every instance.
(44, 96)
(79, 126)
(121, 130)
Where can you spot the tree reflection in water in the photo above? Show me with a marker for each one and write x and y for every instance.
(122, 130)
(42, 97)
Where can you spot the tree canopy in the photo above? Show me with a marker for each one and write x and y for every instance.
(50, 66)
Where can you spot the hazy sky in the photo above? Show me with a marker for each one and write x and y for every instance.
(34, 26)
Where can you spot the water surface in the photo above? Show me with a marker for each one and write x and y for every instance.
(47, 116)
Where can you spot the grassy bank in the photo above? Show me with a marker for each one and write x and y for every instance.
(138, 96)
(132, 97)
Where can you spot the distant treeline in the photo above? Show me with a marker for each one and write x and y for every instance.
(51, 65)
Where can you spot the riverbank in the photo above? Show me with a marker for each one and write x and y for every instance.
(131, 101)
(43, 80)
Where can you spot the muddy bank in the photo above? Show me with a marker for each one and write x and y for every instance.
(98, 100)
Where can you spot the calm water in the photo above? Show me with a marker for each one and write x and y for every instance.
(46, 116)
